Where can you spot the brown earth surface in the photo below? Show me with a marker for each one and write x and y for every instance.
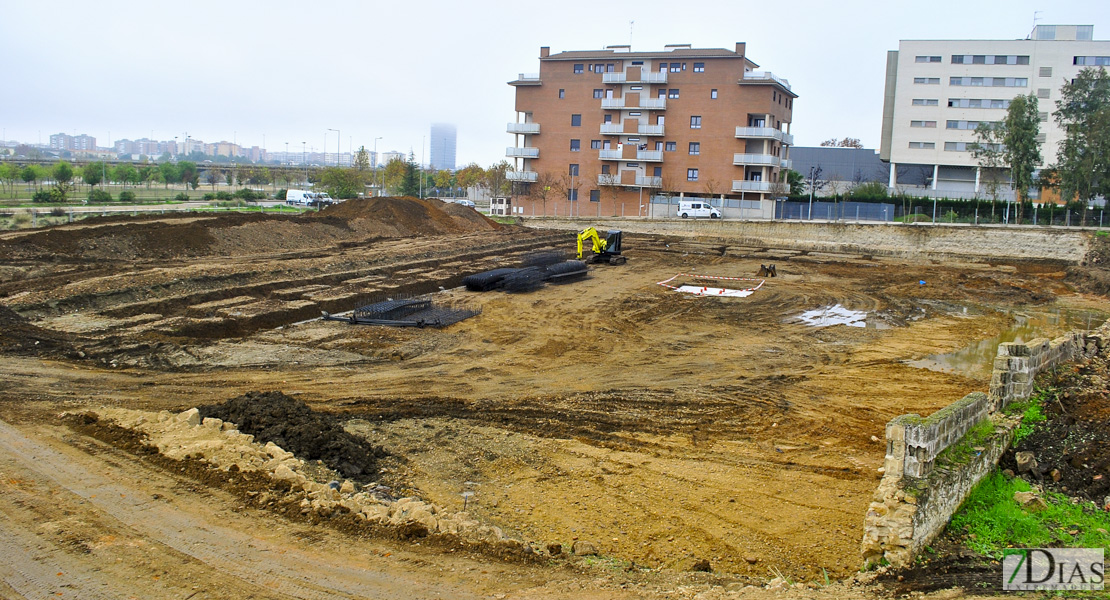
(667, 429)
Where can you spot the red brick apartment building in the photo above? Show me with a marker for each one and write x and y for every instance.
(614, 132)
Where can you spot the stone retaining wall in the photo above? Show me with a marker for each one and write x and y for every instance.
(941, 242)
(918, 495)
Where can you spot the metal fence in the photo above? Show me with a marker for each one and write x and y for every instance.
(837, 211)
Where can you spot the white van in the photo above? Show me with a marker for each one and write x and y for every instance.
(691, 208)
(306, 198)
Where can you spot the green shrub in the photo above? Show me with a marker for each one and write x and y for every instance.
(99, 195)
(209, 197)
(127, 196)
(223, 196)
(42, 196)
(181, 197)
(280, 195)
(244, 194)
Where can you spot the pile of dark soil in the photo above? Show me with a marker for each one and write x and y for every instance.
(291, 424)
(946, 564)
(411, 216)
(1093, 274)
(1075, 440)
(19, 336)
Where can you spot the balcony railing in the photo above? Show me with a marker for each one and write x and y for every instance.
(786, 163)
(751, 186)
(653, 103)
(612, 129)
(608, 179)
(612, 103)
(522, 152)
(765, 132)
(755, 159)
(610, 155)
(524, 128)
(526, 79)
(645, 77)
(756, 76)
(526, 176)
(643, 181)
(649, 155)
(650, 130)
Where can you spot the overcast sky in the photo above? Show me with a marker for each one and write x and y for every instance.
(277, 72)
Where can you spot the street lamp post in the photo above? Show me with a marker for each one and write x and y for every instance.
(338, 141)
(811, 193)
(304, 161)
(377, 163)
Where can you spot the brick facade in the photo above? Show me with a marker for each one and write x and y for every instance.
(636, 123)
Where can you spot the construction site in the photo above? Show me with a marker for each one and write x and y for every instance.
(346, 403)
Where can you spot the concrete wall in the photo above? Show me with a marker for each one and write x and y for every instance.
(918, 494)
(982, 243)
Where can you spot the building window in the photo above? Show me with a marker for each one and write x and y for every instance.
(970, 125)
(926, 59)
(671, 146)
(927, 80)
(562, 93)
(636, 88)
(695, 148)
(1043, 93)
(925, 102)
(1046, 71)
(1084, 33)
(691, 174)
(599, 94)
(663, 67)
(573, 169)
(923, 146)
(977, 103)
(695, 122)
(576, 120)
(595, 195)
(578, 67)
(633, 114)
(713, 94)
(1046, 32)
(989, 59)
(965, 146)
(923, 123)
(595, 144)
(676, 67)
(1042, 117)
(672, 94)
(637, 63)
(604, 169)
(657, 172)
(632, 165)
(989, 81)
(1090, 61)
(658, 146)
(575, 145)
(572, 195)
(699, 67)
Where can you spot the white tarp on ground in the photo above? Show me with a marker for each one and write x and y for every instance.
(709, 291)
(833, 315)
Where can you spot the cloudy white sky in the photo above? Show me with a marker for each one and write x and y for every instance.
(277, 72)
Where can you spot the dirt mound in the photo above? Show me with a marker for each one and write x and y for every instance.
(411, 216)
(291, 424)
(18, 336)
(1075, 440)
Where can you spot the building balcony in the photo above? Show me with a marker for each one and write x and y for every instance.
(645, 77)
(751, 186)
(526, 79)
(650, 130)
(653, 103)
(525, 176)
(765, 133)
(649, 155)
(608, 179)
(645, 104)
(755, 159)
(610, 155)
(618, 129)
(786, 163)
(513, 152)
(612, 129)
(524, 128)
(765, 76)
(648, 181)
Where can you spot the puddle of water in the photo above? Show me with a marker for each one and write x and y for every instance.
(977, 360)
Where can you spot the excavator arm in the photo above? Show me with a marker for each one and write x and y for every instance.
(590, 234)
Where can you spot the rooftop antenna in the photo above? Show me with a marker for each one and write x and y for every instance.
(630, 25)
(1036, 18)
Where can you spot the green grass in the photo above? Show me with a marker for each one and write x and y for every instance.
(993, 520)
(1032, 412)
(963, 450)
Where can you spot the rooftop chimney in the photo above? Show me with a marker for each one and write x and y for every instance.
(740, 48)
(545, 51)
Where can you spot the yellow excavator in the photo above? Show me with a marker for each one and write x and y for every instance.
(606, 250)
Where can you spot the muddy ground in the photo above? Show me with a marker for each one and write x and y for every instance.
(667, 429)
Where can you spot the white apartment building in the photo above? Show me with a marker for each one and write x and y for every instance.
(938, 91)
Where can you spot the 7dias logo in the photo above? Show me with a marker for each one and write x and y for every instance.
(1052, 569)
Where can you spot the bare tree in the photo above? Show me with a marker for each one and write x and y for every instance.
(544, 185)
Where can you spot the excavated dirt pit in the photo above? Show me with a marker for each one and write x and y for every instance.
(669, 431)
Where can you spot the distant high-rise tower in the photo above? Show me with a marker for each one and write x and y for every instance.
(443, 146)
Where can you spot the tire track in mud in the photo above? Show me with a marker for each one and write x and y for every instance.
(278, 571)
